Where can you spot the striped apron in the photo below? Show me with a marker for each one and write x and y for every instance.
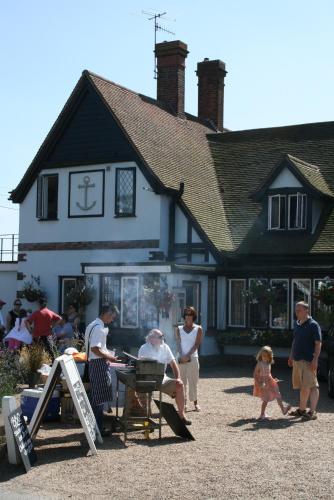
(100, 381)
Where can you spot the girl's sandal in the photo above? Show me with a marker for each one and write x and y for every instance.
(297, 413)
(310, 415)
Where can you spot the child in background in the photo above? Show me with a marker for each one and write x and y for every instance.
(265, 386)
(19, 334)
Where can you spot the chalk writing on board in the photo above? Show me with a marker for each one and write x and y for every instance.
(86, 411)
(22, 438)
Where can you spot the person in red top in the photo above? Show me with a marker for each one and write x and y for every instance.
(43, 321)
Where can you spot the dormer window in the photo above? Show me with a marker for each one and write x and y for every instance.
(297, 211)
(277, 211)
(287, 211)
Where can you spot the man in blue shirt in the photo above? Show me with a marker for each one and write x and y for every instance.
(303, 358)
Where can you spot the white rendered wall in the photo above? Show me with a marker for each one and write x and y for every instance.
(146, 224)
(285, 179)
(181, 226)
(8, 283)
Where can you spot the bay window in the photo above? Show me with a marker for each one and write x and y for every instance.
(136, 298)
(258, 303)
(279, 307)
(300, 291)
(237, 306)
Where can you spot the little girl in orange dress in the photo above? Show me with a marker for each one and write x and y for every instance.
(265, 386)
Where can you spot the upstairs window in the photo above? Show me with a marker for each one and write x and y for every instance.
(287, 211)
(125, 199)
(297, 211)
(47, 196)
(277, 211)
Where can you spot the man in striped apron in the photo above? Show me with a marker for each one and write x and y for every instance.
(99, 359)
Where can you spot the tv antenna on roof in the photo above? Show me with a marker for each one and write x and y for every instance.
(157, 27)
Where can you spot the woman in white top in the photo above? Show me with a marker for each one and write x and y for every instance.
(189, 337)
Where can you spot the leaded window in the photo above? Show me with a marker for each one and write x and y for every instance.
(125, 200)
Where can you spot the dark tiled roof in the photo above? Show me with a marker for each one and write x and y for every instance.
(176, 150)
(245, 159)
(313, 175)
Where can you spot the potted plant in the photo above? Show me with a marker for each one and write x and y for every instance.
(32, 358)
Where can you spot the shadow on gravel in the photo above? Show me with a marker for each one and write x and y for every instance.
(159, 442)
(242, 389)
(278, 423)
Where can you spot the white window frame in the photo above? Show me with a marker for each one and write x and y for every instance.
(279, 196)
(64, 279)
(229, 302)
(123, 279)
(293, 281)
(301, 210)
(287, 306)
(42, 195)
(248, 306)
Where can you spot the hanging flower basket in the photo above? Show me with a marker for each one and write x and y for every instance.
(31, 290)
(325, 292)
(83, 293)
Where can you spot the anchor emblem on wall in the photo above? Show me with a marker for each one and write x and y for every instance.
(85, 186)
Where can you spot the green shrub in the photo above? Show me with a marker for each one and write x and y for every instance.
(11, 373)
(254, 337)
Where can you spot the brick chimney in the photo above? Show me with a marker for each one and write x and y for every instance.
(211, 76)
(171, 58)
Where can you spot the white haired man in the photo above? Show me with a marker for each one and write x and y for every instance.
(155, 348)
(305, 351)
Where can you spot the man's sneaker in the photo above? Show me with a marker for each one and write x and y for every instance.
(310, 415)
(186, 421)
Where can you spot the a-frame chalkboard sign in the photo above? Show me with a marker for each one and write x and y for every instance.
(66, 365)
(22, 438)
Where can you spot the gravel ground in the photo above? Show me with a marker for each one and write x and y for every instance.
(233, 456)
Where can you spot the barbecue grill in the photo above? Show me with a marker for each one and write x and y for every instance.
(143, 378)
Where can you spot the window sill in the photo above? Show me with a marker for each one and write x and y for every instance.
(125, 216)
(43, 220)
(287, 231)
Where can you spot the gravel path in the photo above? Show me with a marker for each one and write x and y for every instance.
(233, 456)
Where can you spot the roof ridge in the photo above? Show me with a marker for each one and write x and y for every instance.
(304, 163)
(302, 130)
(153, 100)
(88, 73)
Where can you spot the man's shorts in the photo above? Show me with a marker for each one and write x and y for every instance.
(302, 375)
(168, 386)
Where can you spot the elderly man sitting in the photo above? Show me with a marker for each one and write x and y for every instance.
(155, 348)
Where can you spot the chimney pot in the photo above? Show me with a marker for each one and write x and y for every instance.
(211, 75)
(171, 58)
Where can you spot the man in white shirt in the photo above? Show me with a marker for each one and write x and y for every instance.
(99, 362)
(155, 348)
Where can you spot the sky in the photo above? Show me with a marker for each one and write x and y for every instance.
(278, 54)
